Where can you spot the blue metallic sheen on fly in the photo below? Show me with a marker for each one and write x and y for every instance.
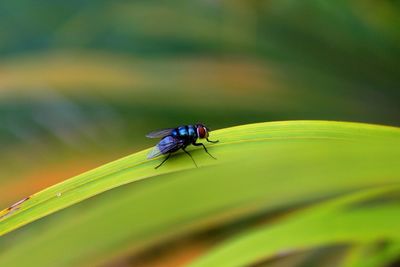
(173, 139)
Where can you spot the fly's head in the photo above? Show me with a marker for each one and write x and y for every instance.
(202, 131)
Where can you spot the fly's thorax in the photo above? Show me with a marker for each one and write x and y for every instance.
(192, 131)
(183, 131)
(187, 132)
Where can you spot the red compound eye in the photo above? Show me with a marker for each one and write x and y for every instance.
(201, 132)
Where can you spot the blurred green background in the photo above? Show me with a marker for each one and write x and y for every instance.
(82, 82)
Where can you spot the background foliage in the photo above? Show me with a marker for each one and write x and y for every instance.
(82, 82)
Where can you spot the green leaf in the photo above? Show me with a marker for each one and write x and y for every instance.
(260, 167)
(372, 255)
(345, 220)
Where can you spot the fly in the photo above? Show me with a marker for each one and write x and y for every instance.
(173, 139)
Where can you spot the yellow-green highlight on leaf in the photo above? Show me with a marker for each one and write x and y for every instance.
(348, 220)
(239, 148)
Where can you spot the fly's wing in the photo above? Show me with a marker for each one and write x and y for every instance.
(160, 133)
(167, 144)
(155, 152)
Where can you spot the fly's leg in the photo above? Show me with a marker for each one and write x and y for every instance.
(190, 157)
(201, 144)
(216, 141)
(163, 161)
